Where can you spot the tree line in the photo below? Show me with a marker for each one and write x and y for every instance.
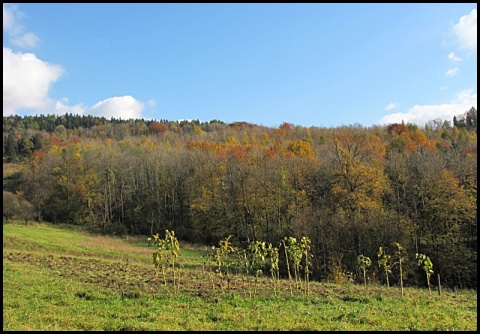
(348, 189)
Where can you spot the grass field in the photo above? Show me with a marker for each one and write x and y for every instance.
(63, 279)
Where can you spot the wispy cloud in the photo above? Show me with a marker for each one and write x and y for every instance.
(421, 114)
(14, 30)
(392, 106)
(452, 72)
(466, 31)
(453, 57)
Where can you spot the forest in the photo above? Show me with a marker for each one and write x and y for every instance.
(349, 189)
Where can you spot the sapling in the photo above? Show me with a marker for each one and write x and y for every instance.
(427, 266)
(257, 253)
(305, 244)
(245, 262)
(364, 262)
(285, 247)
(159, 259)
(222, 253)
(296, 254)
(170, 243)
(221, 256)
(273, 256)
(174, 247)
(384, 261)
(400, 253)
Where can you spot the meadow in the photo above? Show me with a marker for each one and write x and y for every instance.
(62, 278)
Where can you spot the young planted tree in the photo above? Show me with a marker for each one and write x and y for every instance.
(295, 253)
(161, 259)
(305, 244)
(221, 254)
(221, 257)
(364, 262)
(427, 266)
(384, 261)
(273, 257)
(285, 247)
(243, 259)
(174, 247)
(257, 252)
(401, 254)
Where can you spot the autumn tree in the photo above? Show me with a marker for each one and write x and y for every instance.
(360, 184)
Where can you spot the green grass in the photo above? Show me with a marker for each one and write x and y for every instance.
(60, 279)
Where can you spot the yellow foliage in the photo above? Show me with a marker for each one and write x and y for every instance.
(301, 148)
(198, 130)
(231, 140)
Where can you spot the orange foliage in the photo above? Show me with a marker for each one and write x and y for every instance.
(238, 152)
(240, 125)
(284, 128)
(157, 127)
(53, 140)
(269, 154)
(418, 139)
(409, 140)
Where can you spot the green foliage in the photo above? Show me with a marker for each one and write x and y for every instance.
(168, 249)
(257, 252)
(401, 256)
(427, 266)
(274, 257)
(384, 261)
(364, 263)
(305, 243)
(295, 254)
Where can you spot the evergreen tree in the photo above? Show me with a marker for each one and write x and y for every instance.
(11, 153)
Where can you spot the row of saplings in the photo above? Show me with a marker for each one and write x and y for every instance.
(260, 255)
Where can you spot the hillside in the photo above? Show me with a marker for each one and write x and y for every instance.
(67, 279)
(350, 190)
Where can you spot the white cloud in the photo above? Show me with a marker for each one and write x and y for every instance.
(392, 106)
(452, 72)
(453, 57)
(14, 30)
(26, 81)
(466, 31)
(62, 108)
(421, 114)
(124, 107)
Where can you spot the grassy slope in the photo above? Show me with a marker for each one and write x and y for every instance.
(58, 279)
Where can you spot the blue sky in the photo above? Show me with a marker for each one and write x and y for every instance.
(307, 64)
